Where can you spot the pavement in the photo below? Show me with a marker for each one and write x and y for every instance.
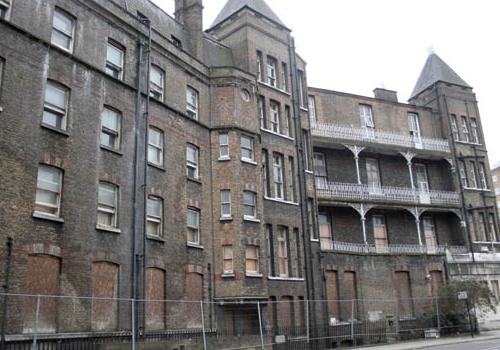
(484, 337)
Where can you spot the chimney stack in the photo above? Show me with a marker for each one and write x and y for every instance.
(190, 14)
(384, 94)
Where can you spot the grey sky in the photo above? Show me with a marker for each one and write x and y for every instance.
(384, 43)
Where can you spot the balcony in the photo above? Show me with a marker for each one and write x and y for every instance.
(361, 192)
(360, 248)
(364, 135)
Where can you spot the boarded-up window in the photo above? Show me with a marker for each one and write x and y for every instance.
(350, 293)
(273, 312)
(105, 292)
(286, 307)
(300, 308)
(155, 293)
(194, 292)
(403, 292)
(332, 290)
(42, 278)
(436, 281)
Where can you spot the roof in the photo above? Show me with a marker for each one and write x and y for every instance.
(435, 69)
(234, 6)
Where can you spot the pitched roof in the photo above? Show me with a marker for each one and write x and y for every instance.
(234, 6)
(435, 69)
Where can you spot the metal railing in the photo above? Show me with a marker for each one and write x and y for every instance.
(350, 133)
(362, 192)
(361, 248)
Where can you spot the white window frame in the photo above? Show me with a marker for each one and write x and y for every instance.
(430, 229)
(194, 229)
(259, 66)
(155, 219)
(462, 171)
(278, 180)
(6, 6)
(414, 126)
(284, 76)
(282, 251)
(192, 106)
(465, 129)
(312, 109)
(271, 69)
(302, 88)
(69, 35)
(482, 176)
(274, 109)
(108, 209)
(421, 171)
(320, 172)
(366, 116)
(113, 69)
(261, 105)
(325, 224)
(192, 164)
(157, 91)
(55, 207)
(250, 204)
(255, 259)
(227, 256)
(473, 173)
(495, 178)
(249, 149)
(381, 243)
(157, 148)
(225, 203)
(474, 131)
(224, 146)
(114, 133)
(59, 112)
(454, 127)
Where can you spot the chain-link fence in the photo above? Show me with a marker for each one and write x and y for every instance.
(62, 322)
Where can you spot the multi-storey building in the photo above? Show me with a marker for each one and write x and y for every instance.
(143, 158)
(495, 177)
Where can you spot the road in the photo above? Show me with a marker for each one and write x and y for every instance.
(493, 344)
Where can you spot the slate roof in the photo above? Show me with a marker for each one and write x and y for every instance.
(234, 6)
(435, 69)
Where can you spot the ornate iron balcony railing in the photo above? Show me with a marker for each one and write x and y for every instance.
(362, 192)
(349, 133)
(361, 248)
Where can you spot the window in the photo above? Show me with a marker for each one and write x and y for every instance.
(473, 175)
(472, 225)
(430, 233)
(155, 146)
(176, 41)
(310, 219)
(463, 174)
(265, 172)
(249, 205)
(302, 89)
(193, 226)
(307, 150)
(284, 77)
(325, 231)
(365, 113)
(247, 148)
(283, 251)
(252, 259)
(373, 174)
(223, 146)
(271, 71)
(312, 109)
(332, 292)
(291, 180)
(262, 111)
(157, 83)
(421, 177)
(114, 60)
(259, 66)
(192, 103)
(495, 178)
(155, 216)
(289, 122)
(465, 129)
(192, 154)
(110, 128)
(474, 131)
(4, 9)
(278, 176)
(55, 109)
(63, 30)
(497, 191)
(104, 308)
(270, 250)
(481, 227)
(155, 293)
(107, 205)
(227, 265)
(482, 176)
(498, 204)
(454, 127)
(275, 116)
(320, 168)
(404, 295)
(48, 190)
(380, 233)
(225, 203)
(492, 227)
(414, 125)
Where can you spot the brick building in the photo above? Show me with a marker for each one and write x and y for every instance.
(144, 158)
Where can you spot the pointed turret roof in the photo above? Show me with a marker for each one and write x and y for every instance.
(234, 6)
(435, 69)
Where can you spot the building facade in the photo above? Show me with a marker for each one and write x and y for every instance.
(495, 177)
(146, 159)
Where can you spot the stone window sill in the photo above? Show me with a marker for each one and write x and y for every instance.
(250, 219)
(248, 161)
(156, 238)
(226, 218)
(108, 229)
(228, 275)
(47, 217)
(277, 134)
(112, 150)
(156, 166)
(195, 180)
(194, 245)
(54, 129)
(254, 274)
(224, 159)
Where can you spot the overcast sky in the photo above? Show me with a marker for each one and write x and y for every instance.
(357, 45)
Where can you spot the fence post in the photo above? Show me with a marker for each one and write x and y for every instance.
(203, 326)
(133, 324)
(260, 326)
(35, 325)
(307, 319)
(437, 315)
